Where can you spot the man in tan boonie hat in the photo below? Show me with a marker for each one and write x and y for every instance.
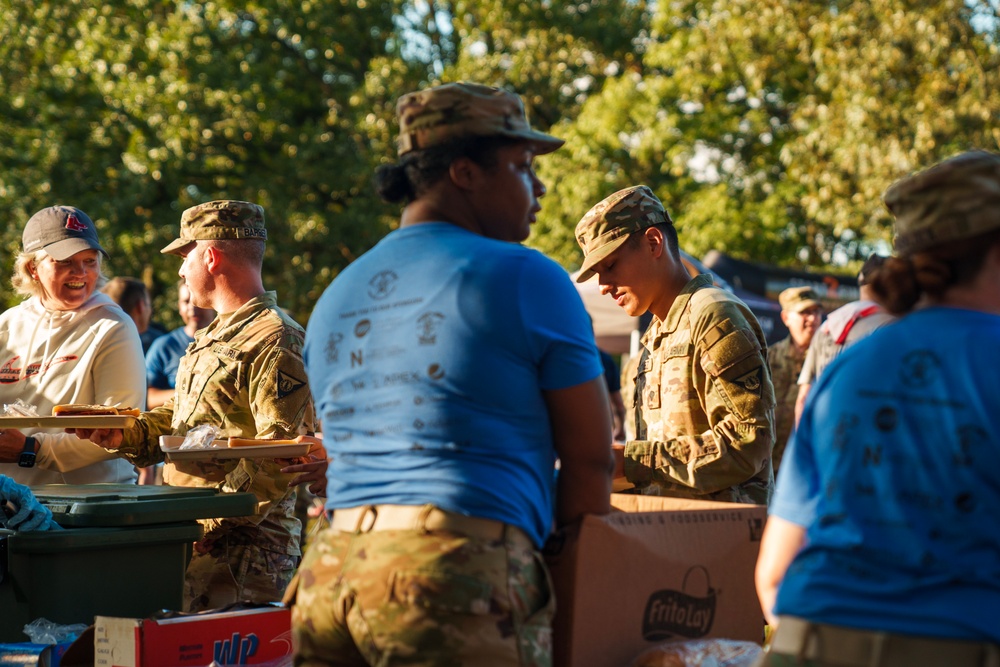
(703, 402)
(214, 220)
(797, 299)
(953, 200)
(802, 314)
(438, 115)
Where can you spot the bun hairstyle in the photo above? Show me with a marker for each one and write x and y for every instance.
(418, 170)
(392, 184)
(902, 281)
(947, 221)
(895, 285)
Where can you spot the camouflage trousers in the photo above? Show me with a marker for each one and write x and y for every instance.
(415, 597)
(221, 573)
(800, 643)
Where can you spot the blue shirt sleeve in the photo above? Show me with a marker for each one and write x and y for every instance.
(557, 325)
(797, 490)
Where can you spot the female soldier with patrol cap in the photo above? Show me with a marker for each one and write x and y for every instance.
(450, 366)
(883, 544)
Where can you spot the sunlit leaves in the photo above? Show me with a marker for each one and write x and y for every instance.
(770, 128)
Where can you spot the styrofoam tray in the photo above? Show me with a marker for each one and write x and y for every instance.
(170, 443)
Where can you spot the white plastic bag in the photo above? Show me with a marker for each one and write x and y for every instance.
(700, 653)
(200, 437)
(44, 631)
(19, 409)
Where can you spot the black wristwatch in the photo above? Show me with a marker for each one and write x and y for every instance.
(27, 459)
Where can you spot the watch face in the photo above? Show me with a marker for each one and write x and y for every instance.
(27, 460)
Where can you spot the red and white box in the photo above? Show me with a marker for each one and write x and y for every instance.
(245, 637)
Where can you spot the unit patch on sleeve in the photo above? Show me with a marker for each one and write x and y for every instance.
(288, 384)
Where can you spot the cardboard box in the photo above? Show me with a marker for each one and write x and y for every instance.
(245, 637)
(658, 570)
(81, 652)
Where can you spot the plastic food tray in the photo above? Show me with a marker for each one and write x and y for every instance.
(78, 421)
(170, 443)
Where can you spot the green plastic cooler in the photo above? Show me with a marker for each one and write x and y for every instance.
(123, 553)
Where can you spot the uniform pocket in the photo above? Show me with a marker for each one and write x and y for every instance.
(212, 388)
(534, 631)
(442, 591)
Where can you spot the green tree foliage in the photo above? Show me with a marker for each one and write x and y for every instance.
(770, 128)
(552, 53)
(555, 55)
(136, 110)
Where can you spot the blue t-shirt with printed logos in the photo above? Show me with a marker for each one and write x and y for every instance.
(893, 473)
(428, 357)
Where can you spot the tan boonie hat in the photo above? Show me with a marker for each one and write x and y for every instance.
(223, 219)
(437, 115)
(797, 299)
(955, 199)
(607, 225)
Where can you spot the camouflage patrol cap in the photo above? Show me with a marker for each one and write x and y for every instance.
(607, 225)
(797, 299)
(956, 199)
(438, 115)
(223, 219)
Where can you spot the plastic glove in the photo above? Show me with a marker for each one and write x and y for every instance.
(29, 514)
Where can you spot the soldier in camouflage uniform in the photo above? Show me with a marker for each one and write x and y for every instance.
(802, 312)
(243, 374)
(842, 328)
(450, 367)
(704, 403)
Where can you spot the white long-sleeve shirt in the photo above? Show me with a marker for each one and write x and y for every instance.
(89, 355)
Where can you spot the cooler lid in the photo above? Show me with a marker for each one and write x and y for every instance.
(132, 505)
(103, 538)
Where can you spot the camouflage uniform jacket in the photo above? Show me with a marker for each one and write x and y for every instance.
(244, 374)
(785, 361)
(704, 403)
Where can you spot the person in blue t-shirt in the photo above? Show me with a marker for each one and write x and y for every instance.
(165, 353)
(451, 367)
(883, 541)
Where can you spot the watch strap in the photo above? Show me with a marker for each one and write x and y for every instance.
(27, 458)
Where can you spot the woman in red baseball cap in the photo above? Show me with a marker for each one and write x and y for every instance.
(66, 343)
